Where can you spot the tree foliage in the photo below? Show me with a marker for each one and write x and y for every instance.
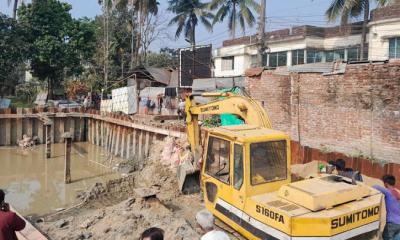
(59, 43)
(13, 50)
(347, 9)
(188, 13)
(235, 10)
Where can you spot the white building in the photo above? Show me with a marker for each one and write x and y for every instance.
(310, 44)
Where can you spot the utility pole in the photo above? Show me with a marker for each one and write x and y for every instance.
(261, 34)
(106, 43)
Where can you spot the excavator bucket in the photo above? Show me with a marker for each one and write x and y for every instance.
(188, 178)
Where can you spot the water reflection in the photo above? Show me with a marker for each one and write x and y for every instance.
(35, 185)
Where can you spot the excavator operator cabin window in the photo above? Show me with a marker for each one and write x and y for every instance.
(268, 162)
(238, 167)
(217, 163)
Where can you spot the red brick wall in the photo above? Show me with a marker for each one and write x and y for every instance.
(356, 113)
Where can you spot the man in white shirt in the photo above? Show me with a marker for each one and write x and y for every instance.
(206, 221)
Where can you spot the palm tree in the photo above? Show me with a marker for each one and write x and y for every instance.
(188, 13)
(346, 9)
(15, 6)
(236, 10)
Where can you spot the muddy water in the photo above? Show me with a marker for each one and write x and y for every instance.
(35, 185)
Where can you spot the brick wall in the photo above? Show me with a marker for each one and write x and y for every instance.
(357, 113)
(392, 11)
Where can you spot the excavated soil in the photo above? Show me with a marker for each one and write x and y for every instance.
(123, 208)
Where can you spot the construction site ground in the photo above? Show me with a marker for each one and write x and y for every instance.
(153, 200)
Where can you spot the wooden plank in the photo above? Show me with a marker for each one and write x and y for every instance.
(128, 145)
(97, 133)
(113, 134)
(147, 144)
(67, 164)
(72, 128)
(7, 134)
(102, 133)
(93, 132)
(134, 144)
(117, 144)
(89, 135)
(29, 127)
(41, 133)
(82, 134)
(48, 141)
(123, 142)
(140, 149)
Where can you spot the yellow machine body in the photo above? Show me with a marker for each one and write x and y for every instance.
(324, 207)
(246, 181)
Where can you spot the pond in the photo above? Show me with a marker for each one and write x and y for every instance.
(35, 185)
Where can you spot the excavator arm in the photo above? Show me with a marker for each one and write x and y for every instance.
(228, 103)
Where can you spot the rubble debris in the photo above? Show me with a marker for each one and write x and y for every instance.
(27, 141)
(147, 192)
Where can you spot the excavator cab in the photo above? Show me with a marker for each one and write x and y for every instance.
(243, 160)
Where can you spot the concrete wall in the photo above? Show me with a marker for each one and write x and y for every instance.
(381, 31)
(243, 53)
(13, 129)
(357, 113)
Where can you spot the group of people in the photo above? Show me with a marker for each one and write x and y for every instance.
(392, 198)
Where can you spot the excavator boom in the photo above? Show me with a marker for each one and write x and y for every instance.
(250, 111)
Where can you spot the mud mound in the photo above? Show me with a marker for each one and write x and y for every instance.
(123, 208)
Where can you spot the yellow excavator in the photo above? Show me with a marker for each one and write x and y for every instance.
(246, 180)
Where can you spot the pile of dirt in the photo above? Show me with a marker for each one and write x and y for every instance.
(123, 208)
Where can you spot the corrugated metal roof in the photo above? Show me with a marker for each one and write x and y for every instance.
(161, 75)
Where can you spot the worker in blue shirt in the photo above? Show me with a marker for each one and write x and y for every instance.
(392, 227)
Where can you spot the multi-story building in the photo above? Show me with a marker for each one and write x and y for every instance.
(311, 44)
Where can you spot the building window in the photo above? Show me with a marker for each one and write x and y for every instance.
(353, 54)
(394, 47)
(277, 59)
(334, 55)
(298, 57)
(228, 63)
(314, 56)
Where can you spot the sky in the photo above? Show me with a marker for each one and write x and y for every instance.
(280, 14)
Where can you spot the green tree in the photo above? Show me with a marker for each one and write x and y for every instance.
(60, 45)
(188, 13)
(346, 9)
(236, 10)
(14, 48)
(162, 60)
(116, 48)
(142, 10)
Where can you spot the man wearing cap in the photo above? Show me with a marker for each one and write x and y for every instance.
(9, 221)
(340, 166)
(206, 221)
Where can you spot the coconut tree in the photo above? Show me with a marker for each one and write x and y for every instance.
(236, 10)
(188, 13)
(15, 6)
(346, 9)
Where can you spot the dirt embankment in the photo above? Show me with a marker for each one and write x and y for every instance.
(123, 208)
